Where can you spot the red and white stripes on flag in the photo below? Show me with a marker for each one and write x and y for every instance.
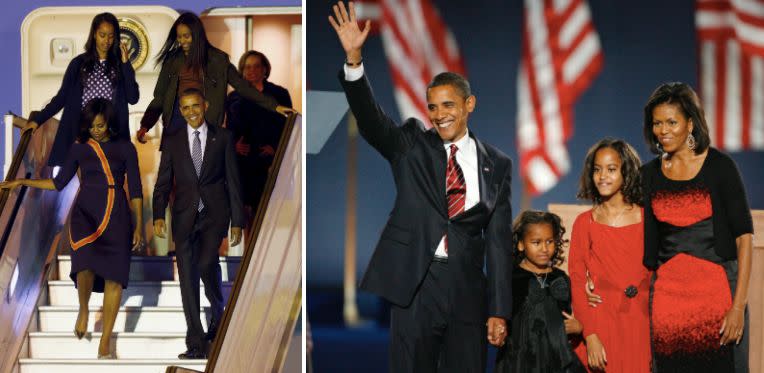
(418, 46)
(731, 53)
(561, 56)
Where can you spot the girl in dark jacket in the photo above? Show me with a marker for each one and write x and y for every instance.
(103, 71)
(190, 61)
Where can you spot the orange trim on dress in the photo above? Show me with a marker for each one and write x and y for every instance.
(109, 199)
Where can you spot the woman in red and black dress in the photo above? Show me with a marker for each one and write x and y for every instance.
(101, 232)
(698, 235)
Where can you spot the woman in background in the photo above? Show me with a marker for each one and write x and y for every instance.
(257, 130)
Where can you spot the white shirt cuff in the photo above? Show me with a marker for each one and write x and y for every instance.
(353, 73)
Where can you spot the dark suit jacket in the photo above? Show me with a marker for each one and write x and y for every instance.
(69, 98)
(218, 184)
(480, 237)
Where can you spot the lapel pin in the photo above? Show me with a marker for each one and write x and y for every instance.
(486, 169)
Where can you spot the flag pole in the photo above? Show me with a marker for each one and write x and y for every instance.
(525, 196)
(350, 307)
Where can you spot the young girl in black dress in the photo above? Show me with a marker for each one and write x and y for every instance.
(541, 312)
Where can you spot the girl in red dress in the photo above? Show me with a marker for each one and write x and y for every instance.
(606, 254)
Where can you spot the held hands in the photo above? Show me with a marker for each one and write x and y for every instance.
(141, 135)
(732, 326)
(596, 353)
(497, 331)
(572, 326)
(235, 236)
(159, 228)
(346, 25)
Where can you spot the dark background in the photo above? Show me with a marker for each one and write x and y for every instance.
(645, 43)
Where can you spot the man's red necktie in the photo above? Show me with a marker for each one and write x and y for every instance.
(456, 188)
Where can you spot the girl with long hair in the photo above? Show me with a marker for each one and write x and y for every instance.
(102, 71)
(606, 245)
(189, 61)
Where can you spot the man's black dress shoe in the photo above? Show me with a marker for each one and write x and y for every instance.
(193, 354)
(212, 331)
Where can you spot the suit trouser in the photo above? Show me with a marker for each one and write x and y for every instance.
(424, 337)
(197, 257)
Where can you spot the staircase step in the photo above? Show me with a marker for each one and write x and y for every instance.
(64, 345)
(129, 319)
(155, 268)
(138, 293)
(110, 366)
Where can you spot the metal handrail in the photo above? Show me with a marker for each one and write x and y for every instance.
(18, 155)
(257, 224)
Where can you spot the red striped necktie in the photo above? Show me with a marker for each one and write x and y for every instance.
(456, 187)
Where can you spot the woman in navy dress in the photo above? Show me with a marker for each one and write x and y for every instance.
(102, 71)
(101, 232)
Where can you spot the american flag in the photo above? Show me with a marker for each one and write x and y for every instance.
(561, 56)
(731, 52)
(418, 46)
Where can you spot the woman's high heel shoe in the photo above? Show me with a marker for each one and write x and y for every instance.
(77, 333)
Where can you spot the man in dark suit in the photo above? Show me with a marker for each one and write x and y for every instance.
(200, 164)
(452, 218)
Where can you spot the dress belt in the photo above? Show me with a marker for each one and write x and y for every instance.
(630, 290)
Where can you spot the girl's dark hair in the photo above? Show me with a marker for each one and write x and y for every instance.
(113, 58)
(200, 45)
(681, 95)
(630, 163)
(92, 109)
(530, 217)
(263, 60)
